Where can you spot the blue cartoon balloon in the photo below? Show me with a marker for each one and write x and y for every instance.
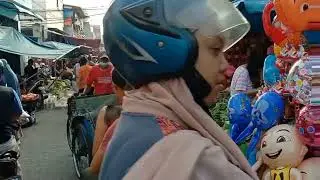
(266, 112)
(239, 108)
(271, 74)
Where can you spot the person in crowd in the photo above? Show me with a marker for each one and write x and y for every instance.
(30, 71)
(67, 72)
(175, 60)
(84, 72)
(248, 77)
(100, 76)
(105, 126)
(10, 109)
(10, 79)
(76, 69)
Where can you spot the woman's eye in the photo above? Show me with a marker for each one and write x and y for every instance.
(216, 51)
(281, 139)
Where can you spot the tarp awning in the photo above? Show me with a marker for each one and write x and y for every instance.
(12, 11)
(57, 45)
(12, 41)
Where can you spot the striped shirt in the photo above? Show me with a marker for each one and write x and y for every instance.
(240, 81)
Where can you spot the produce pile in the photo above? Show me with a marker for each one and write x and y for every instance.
(60, 88)
(58, 95)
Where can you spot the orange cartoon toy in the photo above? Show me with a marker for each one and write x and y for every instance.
(297, 15)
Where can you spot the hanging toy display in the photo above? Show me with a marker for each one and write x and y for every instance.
(266, 112)
(290, 95)
(282, 151)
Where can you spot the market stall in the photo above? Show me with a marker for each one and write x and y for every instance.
(12, 41)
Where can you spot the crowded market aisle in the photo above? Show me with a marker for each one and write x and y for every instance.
(45, 153)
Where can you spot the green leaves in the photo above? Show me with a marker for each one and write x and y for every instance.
(219, 111)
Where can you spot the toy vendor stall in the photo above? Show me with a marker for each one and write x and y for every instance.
(281, 129)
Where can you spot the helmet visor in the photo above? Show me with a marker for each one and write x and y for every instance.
(209, 18)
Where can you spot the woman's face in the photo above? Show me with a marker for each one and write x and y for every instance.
(212, 65)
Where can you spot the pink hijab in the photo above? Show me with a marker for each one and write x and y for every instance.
(204, 151)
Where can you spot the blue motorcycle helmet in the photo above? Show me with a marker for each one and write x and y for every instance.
(152, 40)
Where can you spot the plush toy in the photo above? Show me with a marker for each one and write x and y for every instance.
(282, 151)
(310, 169)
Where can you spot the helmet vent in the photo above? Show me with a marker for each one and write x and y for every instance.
(135, 51)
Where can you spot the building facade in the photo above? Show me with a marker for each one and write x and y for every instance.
(96, 31)
(75, 21)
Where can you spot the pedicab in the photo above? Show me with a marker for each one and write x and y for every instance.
(82, 114)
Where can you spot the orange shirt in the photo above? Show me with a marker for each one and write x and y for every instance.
(102, 79)
(84, 72)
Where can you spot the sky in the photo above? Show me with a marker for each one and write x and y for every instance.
(95, 8)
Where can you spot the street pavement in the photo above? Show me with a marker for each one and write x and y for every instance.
(45, 154)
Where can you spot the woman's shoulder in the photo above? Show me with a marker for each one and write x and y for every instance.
(242, 68)
(138, 131)
(163, 124)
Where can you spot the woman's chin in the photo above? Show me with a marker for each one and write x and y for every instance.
(212, 98)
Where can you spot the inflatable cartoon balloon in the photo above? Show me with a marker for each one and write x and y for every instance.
(307, 124)
(271, 74)
(266, 112)
(282, 150)
(273, 30)
(299, 15)
(303, 80)
(239, 107)
(310, 169)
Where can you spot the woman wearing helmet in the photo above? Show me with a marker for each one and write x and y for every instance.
(171, 51)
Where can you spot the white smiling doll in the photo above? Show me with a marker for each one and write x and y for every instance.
(282, 151)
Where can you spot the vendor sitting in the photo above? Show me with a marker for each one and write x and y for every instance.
(248, 77)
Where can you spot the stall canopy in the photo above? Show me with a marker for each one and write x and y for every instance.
(13, 11)
(58, 45)
(12, 41)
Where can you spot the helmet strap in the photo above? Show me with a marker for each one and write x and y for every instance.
(198, 86)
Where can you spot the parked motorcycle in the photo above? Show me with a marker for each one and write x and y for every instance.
(33, 96)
